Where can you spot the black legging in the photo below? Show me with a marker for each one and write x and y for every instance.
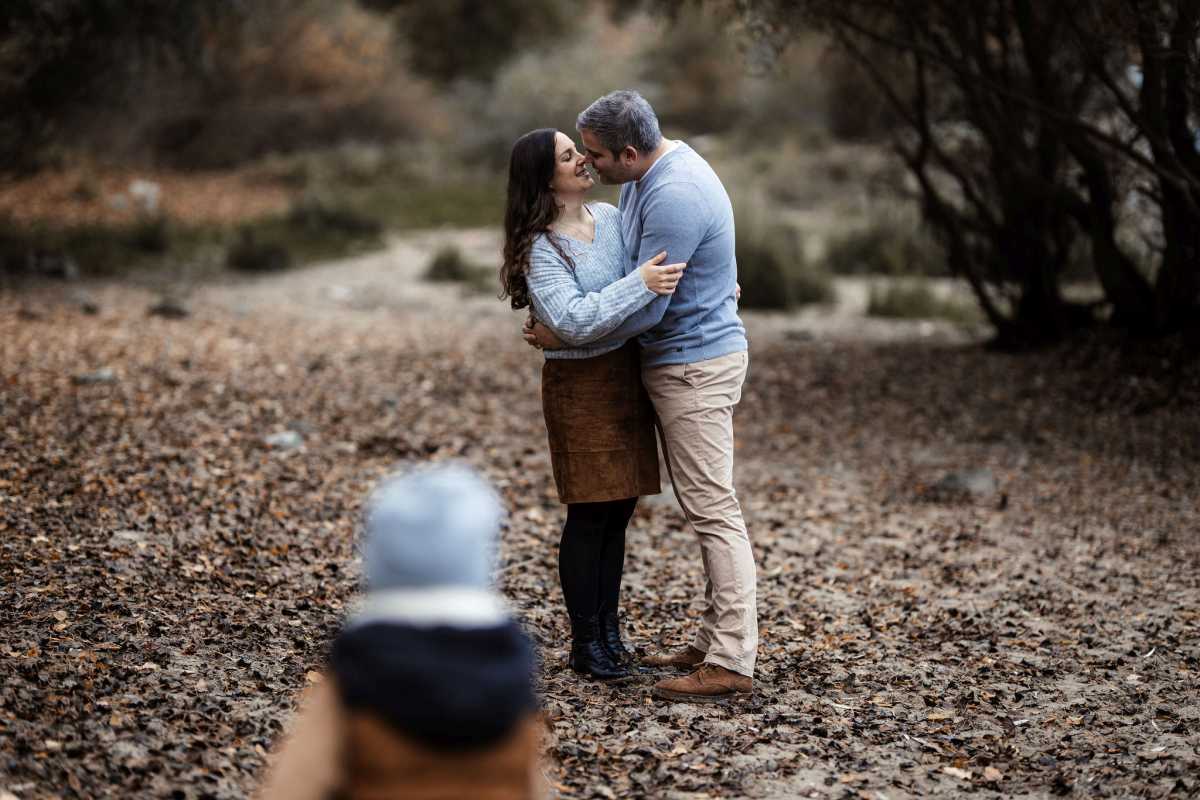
(591, 555)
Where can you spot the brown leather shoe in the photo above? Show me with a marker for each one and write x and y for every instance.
(708, 684)
(688, 658)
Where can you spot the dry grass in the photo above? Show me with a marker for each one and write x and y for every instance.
(96, 195)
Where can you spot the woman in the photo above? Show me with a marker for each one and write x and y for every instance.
(566, 259)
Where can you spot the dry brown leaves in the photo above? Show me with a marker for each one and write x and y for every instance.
(168, 581)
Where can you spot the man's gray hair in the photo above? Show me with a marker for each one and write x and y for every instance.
(622, 119)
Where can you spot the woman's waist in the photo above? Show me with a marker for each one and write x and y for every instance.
(585, 352)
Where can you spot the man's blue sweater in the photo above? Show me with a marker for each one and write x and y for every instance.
(681, 207)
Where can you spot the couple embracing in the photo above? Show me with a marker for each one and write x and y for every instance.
(636, 310)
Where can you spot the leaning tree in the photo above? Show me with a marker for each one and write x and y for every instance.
(1044, 138)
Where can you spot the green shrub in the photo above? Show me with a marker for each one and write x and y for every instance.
(916, 301)
(525, 93)
(696, 63)
(885, 248)
(151, 234)
(774, 273)
(315, 228)
(317, 215)
(465, 38)
(92, 249)
(251, 254)
(449, 265)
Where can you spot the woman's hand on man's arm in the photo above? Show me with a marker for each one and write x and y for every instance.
(661, 278)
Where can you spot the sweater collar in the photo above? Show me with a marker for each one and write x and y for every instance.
(675, 145)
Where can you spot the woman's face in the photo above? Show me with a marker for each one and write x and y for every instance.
(571, 175)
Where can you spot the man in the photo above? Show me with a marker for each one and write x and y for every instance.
(694, 361)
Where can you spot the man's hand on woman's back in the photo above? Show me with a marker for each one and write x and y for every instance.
(538, 335)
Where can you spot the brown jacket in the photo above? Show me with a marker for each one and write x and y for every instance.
(335, 754)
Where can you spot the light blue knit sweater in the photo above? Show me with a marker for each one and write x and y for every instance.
(679, 206)
(585, 304)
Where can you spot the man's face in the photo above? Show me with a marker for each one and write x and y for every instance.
(612, 168)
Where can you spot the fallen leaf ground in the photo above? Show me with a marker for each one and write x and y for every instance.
(168, 581)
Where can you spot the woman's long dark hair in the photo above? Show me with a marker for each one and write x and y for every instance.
(531, 210)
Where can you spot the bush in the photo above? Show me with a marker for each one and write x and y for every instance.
(916, 301)
(151, 234)
(885, 248)
(42, 250)
(783, 100)
(314, 228)
(774, 274)
(854, 109)
(449, 265)
(696, 64)
(250, 254)
(317, 215)
(465, 38)
(273, 76)
(530, 92)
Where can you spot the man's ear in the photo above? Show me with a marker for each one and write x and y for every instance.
(629, 154)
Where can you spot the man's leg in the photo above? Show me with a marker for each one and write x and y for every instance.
(694, 403)
(708, 619)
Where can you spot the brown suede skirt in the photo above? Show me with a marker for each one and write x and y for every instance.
(601, 427)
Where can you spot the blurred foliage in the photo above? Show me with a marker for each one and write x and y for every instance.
(851, 109)
(249, 253)
(548, 87)
(886, 247)
(917, 301)
(208, 84)
(67, 252)
(423, 185)
(451, 39)
(1028, 129)
(695, 65)
(449, 265)
(297, 75)
(312, 230)
(318, 214)
(772, 269)
(60, 57)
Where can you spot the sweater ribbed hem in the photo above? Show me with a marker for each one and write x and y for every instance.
(658, 354)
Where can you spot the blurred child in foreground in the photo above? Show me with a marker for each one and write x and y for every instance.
(430, 687)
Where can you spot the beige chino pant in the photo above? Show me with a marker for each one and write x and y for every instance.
(694, 404)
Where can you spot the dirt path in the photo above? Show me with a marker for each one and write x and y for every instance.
(169, 581)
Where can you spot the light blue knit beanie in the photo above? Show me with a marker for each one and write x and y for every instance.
(434, 526)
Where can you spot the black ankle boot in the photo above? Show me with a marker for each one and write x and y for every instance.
(589, 655)
(610, 633)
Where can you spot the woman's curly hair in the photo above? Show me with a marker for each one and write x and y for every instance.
(530, 210)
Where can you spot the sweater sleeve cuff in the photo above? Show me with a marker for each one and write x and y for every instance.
(640, 281)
